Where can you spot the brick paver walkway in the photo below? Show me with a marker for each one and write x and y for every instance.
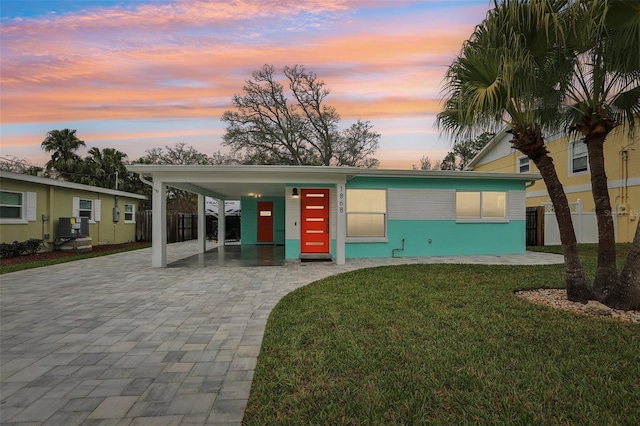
(112, 341)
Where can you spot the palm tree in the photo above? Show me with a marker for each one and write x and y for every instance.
(506, 74)
(63, 145)
(105, 168)
(603, 94)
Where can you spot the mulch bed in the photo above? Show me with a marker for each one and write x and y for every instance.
(557, 298)
(59, 254)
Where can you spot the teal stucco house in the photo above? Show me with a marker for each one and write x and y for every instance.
(341, 213)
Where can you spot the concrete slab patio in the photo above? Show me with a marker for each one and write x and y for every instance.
(113, 341)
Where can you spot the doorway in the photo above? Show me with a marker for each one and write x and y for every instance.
(265, 222)
(315, 221)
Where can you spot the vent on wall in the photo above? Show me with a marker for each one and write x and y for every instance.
(73, 227)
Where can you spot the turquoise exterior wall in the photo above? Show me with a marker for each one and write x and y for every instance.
(433, 237)
(435, 183)
(249, 222)
(441, 237)
(292, 249)
(447, 238)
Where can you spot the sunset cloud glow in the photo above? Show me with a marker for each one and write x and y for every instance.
(146, 72)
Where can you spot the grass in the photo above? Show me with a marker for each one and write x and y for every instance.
(442, 344)
(36, 263)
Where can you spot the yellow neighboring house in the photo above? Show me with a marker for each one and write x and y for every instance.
(34, 207)
(622, 165)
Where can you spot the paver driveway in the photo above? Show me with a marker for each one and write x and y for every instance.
(112, 341)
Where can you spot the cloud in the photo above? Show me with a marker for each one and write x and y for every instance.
(186, 59)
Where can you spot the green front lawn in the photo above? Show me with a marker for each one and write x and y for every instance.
(442, 344)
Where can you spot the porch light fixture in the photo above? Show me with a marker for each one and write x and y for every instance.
(294, 193)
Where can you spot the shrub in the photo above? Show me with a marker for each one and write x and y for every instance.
(32, 246)
(19, 248)
(8, 250)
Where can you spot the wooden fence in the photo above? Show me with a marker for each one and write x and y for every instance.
(184, 227)
(180, 226)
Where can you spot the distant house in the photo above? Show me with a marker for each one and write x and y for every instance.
(340, 213)
(34, 207)
(622, 164)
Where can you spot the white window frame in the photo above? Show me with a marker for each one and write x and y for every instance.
(572, 157)
(524, 161)
(481, 218)
(95, 208)
(385, 214)
(133, 213)
(27, 209)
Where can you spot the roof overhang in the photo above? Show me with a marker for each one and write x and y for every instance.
(64, 184)
(233, 182)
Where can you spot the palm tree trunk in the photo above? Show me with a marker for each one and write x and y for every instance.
(578, 289)
(626, 294)
(528, 140)
(606, 272)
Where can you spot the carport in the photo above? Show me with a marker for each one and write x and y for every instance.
(240, 183)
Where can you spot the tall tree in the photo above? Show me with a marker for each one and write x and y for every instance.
(426, 164)
(63, 146)
(181, 154)
(267, 127)
(14, 164)
(105, 168)
(506, 74)
(464, 151)
(604, 93)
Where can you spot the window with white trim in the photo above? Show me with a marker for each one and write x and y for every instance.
(85, 207)
(524, 164)
(481, 205)
(366, 213)
(129, 213)
(12, 205)
(17, 207)
(578, 157)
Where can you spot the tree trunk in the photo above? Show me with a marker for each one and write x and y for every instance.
(528, 140)
(607, 271)
(577, 285)
(626, 294)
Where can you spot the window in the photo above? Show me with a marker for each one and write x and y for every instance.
(578, 157)
(524, 165)
(366, 213)
(484, 205)
(84, 207)
(129, 213)
(17, 207)
(11, 206)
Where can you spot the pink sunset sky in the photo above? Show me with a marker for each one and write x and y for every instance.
(134, 75)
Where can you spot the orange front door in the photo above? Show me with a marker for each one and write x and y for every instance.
(265, 222)
(315, 221)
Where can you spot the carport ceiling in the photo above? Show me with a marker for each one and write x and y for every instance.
(233, 191)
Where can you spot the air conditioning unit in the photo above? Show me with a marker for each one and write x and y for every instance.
(73, 227)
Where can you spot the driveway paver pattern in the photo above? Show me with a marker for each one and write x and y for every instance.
(113, 341)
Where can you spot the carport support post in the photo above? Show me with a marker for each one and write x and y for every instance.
(202, 224)
(222, 229)
(159, 223)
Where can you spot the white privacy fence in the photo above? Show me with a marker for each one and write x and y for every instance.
(584, 223)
